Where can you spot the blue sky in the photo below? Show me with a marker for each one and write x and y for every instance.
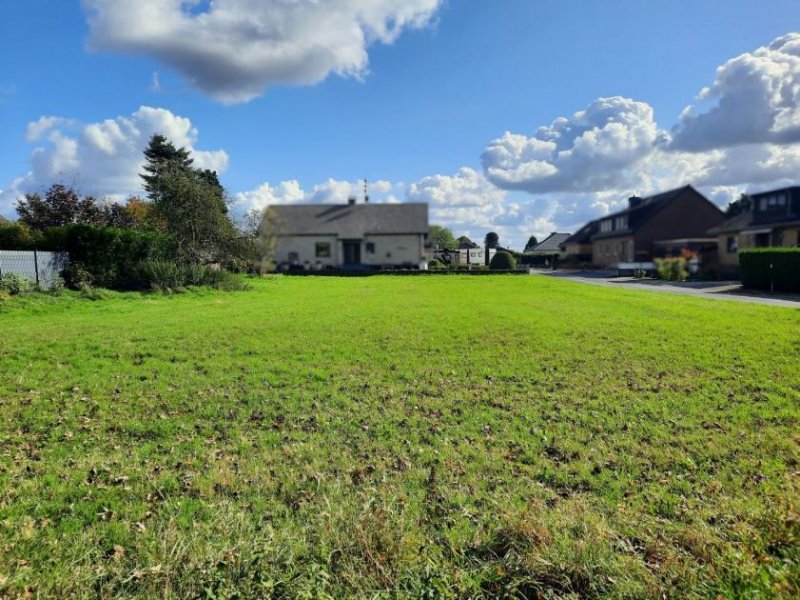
(426, 117)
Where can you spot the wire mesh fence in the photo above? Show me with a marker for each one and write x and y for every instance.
(44, 268)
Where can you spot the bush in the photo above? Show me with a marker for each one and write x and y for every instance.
(105, 256)
(672, 269)
(503, 261)
(768, 269)
(166, 276)
(435, 265)
(17, 236)
(15, 284)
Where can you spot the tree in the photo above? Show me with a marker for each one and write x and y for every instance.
(441, 238)
(61, 205)
(267, 238)
(195, 215)
(492, 240)
(743, 204)
(141, 215)
(532, 242)
(162, 155)
(465, 241)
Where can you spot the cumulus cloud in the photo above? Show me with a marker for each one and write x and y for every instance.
(103, 158)
(465, 188)
(332, 191)
(756, 99)
(590, 151)
(234, 49)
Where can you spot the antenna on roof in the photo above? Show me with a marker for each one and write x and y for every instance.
(366, 192)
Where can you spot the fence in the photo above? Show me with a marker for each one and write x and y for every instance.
(42, 267)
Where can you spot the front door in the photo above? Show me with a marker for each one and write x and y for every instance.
(352, 253)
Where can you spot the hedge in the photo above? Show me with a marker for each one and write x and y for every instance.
(783, 276)
(503, 261)
(100, 256)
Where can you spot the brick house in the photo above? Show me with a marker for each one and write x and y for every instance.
(772, 219)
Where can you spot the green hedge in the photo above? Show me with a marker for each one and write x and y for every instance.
(784, 274)
(99, 256)
(503, 261)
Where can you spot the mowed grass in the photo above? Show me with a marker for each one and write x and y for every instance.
(400, 437)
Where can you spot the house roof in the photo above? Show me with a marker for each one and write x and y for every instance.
(551, 243)
(734, 224)
(753, 219)
(641, 213)
(584, 234)
(3, 220)
(351, 221)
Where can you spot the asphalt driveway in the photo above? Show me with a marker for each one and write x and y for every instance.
(715, 290)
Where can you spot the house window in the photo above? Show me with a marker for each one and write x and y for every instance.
(620, 223)
(733, 247)
(370, 247)
(606, 226)
(323, 250)
(762, 240)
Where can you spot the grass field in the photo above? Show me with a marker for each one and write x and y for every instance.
(399, 437)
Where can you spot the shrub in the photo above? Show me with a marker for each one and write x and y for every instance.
(503, 261)
(435, 265)
(672, 269)
(768, 269)
(17, 236)
(15, 284)
(169, 276)
(105, 256)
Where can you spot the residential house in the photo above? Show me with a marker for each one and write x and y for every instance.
(348, 236)
(470, 253)
(629, 237)
(579, 244)
(550, 246)
(771, 219)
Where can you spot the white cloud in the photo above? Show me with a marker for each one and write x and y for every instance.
(756, 99)
(332, 191)
(592, 151)
(234, 49)
(103, 158)
(465, 188)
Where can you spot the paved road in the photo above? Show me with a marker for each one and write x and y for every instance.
(715, 290)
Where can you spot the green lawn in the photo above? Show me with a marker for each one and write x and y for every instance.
(401, 437)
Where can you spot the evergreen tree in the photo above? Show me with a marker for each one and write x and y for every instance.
(161, 156)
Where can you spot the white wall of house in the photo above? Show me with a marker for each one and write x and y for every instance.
(385, 250)
(393, 249)
(301, 249)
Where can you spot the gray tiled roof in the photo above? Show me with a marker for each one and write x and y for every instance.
(352, 221)
(552, 243)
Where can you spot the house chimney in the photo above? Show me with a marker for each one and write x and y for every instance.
(351, 200)
(634, 201)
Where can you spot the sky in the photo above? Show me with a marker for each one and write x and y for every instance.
(516, 116)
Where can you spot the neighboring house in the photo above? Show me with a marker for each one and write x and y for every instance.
(579, 244)
(349, 236)
(773, 219)
(470, 253)
(550, 246)
(629, 237)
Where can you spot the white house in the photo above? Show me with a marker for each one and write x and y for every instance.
(318, 236)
